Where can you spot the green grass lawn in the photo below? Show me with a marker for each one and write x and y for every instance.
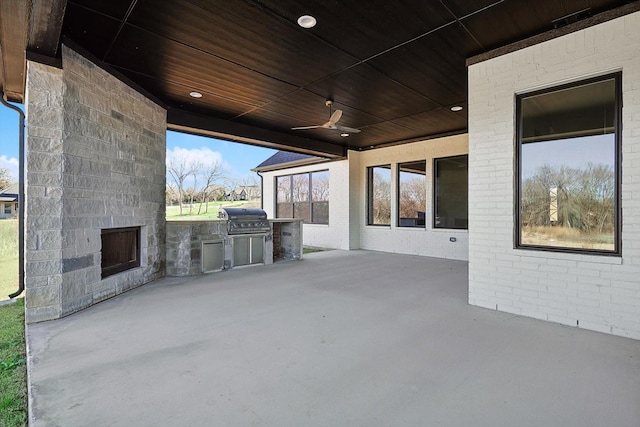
(13, 369)
(173, 212)
(8, 257)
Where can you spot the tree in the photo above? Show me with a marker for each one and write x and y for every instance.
(5, 178)
(381, 198)
(584, 202)
(180, 168)
(211, 174)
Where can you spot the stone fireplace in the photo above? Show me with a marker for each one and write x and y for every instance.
(95, 199)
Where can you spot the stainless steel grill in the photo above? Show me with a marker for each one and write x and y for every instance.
(245, 220)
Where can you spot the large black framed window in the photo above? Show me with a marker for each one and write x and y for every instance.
(451, 192)
(412, 195)
(303, 195)
(568, 167)
(379, 195)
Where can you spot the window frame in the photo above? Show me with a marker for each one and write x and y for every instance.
(292, 203)
(113, 269)
(617, 234)
(369, 194)
(398, 194)
(435, 192)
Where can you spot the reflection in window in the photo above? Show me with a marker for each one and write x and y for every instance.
(320, 197)
(301, 206)
(304, 196)
(284, 206)
(412, 198)
(568, 188)
(451, 192)
(379, 195)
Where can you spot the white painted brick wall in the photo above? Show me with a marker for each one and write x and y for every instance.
(601, 293)
(427, 241)
(347, 227)
(335, 235)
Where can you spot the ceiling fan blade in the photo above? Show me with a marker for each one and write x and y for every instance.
(334, 118)
(306, 127)
(346, 129)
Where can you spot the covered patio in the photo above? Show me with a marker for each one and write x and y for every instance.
(343, 338)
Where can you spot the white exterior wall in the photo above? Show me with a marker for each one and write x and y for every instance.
(348, 227)
(14, 210)
(335, 235)
(418, 241)
(601, 293)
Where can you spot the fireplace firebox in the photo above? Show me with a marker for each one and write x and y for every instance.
(120, 250)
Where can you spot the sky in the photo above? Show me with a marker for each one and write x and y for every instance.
(236, 159)
(573, 153)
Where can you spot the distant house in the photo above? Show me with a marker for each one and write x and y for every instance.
(246, 192)
(9, 202)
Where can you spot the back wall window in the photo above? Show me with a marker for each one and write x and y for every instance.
(568, 161)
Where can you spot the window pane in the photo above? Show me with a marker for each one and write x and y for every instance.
(320, 212)
(379, 195)
(284, 210)
(567, 164)
(451, 192)
(284, 189)
(300, 187)
(412, 196)
(302, 210)
(320, 186)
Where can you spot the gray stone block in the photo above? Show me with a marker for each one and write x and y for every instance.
(42, 296)
(73, 264)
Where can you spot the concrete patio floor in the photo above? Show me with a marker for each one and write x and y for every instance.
(340, 339)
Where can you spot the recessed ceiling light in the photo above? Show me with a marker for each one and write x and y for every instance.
(344, 134)
(307, 21)
(456, 108)
(195, 95)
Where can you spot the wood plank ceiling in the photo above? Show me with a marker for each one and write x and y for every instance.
(395, 67)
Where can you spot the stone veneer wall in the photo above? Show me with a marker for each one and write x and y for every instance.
(184, 244)
(96, 159)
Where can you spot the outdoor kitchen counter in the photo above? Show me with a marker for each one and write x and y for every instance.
(186, 241)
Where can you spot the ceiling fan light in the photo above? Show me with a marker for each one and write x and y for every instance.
(307, 21)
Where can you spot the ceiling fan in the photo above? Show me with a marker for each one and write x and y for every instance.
(332, 123)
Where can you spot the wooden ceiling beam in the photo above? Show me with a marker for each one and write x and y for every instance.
(182, 121)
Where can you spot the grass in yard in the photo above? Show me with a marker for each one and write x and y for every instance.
(8, 257)
(13, 369)
(173, 212)
(310, 250)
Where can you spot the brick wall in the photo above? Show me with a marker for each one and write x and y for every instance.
(427, 241)
(334, 235)
(599, 293)
(347, 227)
(96, 159)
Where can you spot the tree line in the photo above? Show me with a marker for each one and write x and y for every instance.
(198, 182)
(584, 198)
